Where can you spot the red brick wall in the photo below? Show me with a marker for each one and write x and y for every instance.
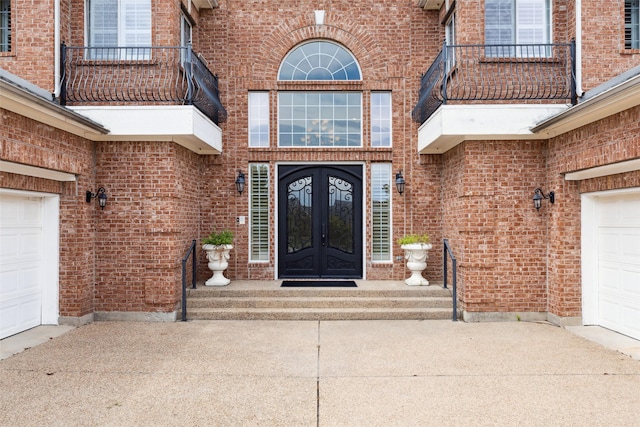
(148, 225)
(497, 236)
(603, 53)
(610, 140)
(32, 52)
(29, 142)
(245, 44)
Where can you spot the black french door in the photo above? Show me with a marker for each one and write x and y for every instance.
(320, 221)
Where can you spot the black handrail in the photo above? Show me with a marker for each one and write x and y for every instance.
(158, 75)
(496, 73)
(190, 252)
(454, 291)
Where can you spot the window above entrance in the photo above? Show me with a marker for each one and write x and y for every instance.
(319, 60)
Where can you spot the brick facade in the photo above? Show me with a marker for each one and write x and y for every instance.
(512, 258)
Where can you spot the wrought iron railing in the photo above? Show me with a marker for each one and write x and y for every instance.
(190, 253)
(454, 275)
(497, 73)
(139, 75)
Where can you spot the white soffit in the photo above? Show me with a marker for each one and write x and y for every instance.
(182, 124)
(38, 172)
(605, 170)
(452, 124)
(430, 4)
(205, 4)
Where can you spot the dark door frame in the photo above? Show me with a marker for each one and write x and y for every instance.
(356, 171)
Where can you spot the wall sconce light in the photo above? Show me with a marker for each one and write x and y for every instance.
(100, 194)
(400, 182)
(538, 195)
(240, 182)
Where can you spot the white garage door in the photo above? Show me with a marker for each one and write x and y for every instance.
(21, 263)
(618, 238)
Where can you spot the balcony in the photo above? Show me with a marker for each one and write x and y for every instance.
(145, 93)
(492, 92)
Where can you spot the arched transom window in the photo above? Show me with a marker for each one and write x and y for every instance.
(319, 60)
(319, 118)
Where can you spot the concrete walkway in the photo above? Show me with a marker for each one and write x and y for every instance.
(310, 373)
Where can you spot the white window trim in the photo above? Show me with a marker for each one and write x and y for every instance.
(251, 237)
(390, 225)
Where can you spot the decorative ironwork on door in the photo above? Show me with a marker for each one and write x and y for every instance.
(320, 221)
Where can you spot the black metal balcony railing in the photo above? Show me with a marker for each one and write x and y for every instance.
(497, 73)
(141, 76)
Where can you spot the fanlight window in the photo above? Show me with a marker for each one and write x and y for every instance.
(319, 60)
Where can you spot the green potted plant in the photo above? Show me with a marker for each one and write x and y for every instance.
(217, 246)
(415, 247)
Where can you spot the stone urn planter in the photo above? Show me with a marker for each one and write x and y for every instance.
(218, 246)
(416, 248)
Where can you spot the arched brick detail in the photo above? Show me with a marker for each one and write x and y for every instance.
(336, 27)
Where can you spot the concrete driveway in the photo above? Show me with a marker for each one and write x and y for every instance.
(328, 373)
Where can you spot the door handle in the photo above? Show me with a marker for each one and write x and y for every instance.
(324, 234)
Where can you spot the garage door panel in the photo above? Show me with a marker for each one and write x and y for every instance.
(631, 246)
(609, 312)
(608, 243)
(631, 320)
(618, 240)
(19, 313)
(21, 264)
(631, 283)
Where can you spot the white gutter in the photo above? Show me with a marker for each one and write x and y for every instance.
(56, 48)
(578, 48)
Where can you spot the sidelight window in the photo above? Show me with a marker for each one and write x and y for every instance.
(259, 212)
(381, 212)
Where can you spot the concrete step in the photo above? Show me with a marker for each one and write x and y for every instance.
(266, 300)
(319, 302)
(319, 314)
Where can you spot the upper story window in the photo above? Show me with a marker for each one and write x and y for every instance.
(632, 24)
(5, 25)
(119, 23)
(185, 36)
(319, 60)
(521, 22)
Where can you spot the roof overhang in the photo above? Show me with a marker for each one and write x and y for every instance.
(450, 125)
(23, 98)
(430, 4)
(613, 100)
(182, 124)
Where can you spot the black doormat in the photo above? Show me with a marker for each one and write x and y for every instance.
(319, 284)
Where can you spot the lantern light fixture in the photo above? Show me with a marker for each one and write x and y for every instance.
(400, 182)
(240, 181)
(101, 195)
(538, 196)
